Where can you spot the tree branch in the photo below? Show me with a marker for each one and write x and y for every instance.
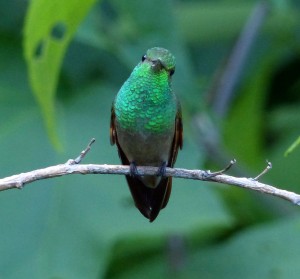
(19, 180)
(73, 166)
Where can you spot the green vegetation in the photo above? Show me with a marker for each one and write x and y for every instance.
(62, 63)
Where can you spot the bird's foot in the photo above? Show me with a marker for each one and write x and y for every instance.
(162, 169)
(133, 169)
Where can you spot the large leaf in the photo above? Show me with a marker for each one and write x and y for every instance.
(49, 27)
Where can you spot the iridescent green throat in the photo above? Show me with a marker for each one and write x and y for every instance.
(145, 102)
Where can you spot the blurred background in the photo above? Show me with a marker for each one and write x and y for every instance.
(238, 79)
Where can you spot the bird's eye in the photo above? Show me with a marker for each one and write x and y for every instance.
(143, 58)
(172, 71)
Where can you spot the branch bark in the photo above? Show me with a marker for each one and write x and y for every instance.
(71, 167)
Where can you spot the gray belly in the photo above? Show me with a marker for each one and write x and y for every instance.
(146, 149)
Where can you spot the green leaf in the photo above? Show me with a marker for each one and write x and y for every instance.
(292, 147)
(49, 27)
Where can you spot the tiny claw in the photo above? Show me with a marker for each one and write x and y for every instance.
(162, 169)
(133, 170)
(268, 167)
(208, 174)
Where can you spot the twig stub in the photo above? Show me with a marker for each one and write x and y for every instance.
(267, 168)
(208, 174)
(82, 154)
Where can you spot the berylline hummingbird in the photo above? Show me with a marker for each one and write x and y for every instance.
(146, 126)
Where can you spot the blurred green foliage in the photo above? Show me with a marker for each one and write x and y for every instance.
(87, 226)
(49, 27)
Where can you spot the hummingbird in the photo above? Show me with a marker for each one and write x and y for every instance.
(146, 126)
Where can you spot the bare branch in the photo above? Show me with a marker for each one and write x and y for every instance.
(72, 166)
(19, 180)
